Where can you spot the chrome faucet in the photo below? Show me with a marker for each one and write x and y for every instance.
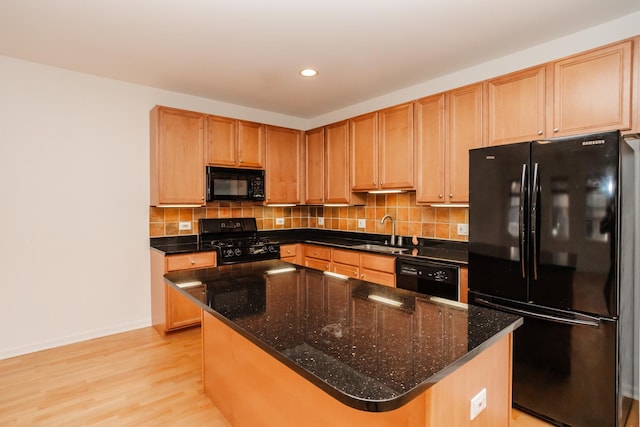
(393, 229)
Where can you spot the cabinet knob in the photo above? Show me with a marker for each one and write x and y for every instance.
(374, 183)
(193, 262)
(539, 132)
(362, 276)
(440, 196)
(240, 160)
(326, 267)
(555, 129)
(288, 251)
(355, 273)
(450, 195)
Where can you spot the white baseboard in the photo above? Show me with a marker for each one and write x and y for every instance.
(88, 335)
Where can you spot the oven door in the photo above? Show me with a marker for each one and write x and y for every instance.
(428, 277)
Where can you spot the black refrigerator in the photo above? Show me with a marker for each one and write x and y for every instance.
(551, 232)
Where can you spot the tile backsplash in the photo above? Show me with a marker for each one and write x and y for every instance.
(410, 219)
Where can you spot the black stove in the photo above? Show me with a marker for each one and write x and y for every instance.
(236, 240)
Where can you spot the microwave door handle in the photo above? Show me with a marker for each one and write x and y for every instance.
(521, 225)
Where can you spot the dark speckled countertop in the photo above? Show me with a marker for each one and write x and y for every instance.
(454, 252)
(371, 347)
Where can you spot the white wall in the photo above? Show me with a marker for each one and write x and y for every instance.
(74, 190)
(74, 196)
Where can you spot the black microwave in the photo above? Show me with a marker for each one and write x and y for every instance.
(234, 184)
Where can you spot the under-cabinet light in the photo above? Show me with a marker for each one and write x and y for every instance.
(385, 300)
(335, 205)
(280, 205)
(452, 303)
(189, 284)
(386, 191)
(280, 270)
(336, 275)
(308, 72)
(449, 205)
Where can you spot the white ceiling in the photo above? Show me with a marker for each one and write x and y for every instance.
(248, 52)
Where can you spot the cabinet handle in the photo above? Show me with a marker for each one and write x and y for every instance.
(355, 273)
(539, 132)
(193, 261)
(240, 160)
(440, 196)
(450, 195)
(326, 267)
(362, 276)
(555, 129)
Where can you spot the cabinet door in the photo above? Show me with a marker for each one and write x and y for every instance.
(177, 157)
(516, 106)
(592, 91)
(250, 145)
(282, 166)
(337, 178)
(221, 141)
(314, 154)
(364, 153)
(395, 147)
(430, 149)
(465, 132)
(181, 312)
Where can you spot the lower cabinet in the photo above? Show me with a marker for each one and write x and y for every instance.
(373, 268)
(169, 309)
(290, 252)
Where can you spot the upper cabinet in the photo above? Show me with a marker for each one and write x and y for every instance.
(592, 91)
(585, 93)
(282, 165)
(327, 166)
(314, 171)
(382, 150)
(177, 157)
(448, 125)
(235, 143)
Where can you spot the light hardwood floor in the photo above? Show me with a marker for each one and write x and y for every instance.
(135, 378)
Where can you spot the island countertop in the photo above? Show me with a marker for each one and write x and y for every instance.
(371, 347)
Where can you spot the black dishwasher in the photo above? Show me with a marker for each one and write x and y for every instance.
(427, 277)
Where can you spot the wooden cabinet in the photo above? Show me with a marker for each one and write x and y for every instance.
(585, 93)
(171, 310)
(327, 166)
(314, 170)
(289, 253)
(447, 126)
(177, 157)
(345, 262)
(234, 143)
(317, 257)
(592, 91)
(379, 269)
(282, 165)
(382, 155)
(516, 106)
(463, 285)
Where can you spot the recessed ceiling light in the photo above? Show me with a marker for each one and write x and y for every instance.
(308, 72)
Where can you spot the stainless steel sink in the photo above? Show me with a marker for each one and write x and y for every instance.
(380, 248)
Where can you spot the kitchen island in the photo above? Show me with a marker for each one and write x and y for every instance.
(285, 345)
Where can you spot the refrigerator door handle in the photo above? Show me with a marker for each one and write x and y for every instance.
(521, 226)
(581, 320)
(534, 219)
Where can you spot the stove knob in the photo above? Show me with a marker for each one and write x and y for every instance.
(238, 252)
(228, 253)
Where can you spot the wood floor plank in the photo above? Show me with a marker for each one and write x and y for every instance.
(132, 379)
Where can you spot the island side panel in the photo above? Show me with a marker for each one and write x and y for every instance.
(251, 388)
(449, 402)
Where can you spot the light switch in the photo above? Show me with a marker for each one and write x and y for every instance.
(463, 229)
(362, 223)
(279, 221)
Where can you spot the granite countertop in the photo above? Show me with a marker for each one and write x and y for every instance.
(438, 250)
(372, 347)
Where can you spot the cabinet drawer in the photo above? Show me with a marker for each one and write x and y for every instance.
(345, 257)
(379, 277)
(378, 262)
(288, 251)
(346, 270)
(192, 260)
(317, 264)
(318, 252)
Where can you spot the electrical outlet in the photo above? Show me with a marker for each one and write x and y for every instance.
(320, 220)
(463, 229)
(362, 223)
(478, 403)
(184, 225)
(279, 221)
